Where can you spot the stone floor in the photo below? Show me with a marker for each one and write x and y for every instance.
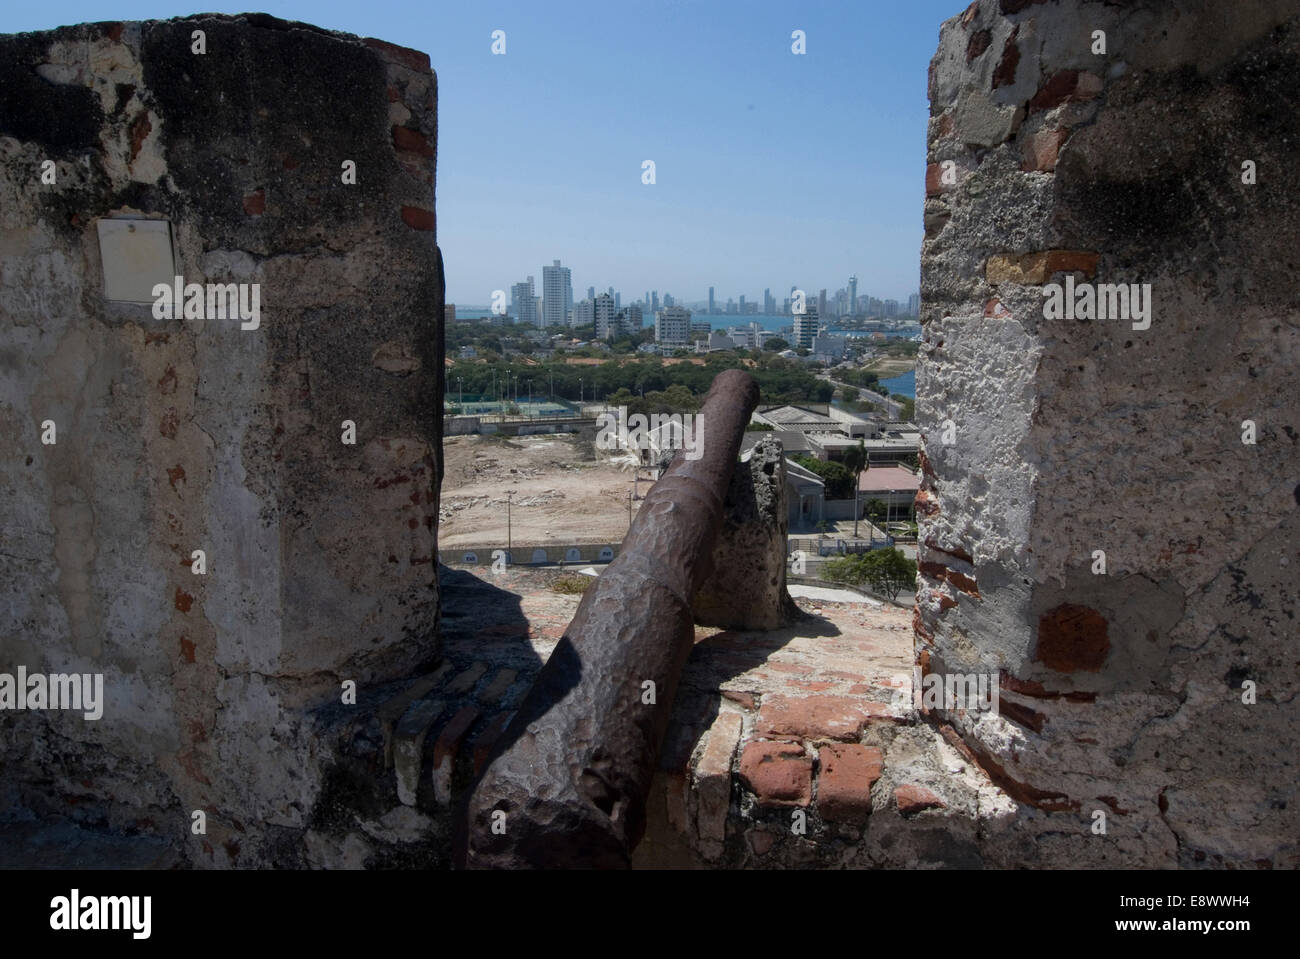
(798, 747)
(794, 748)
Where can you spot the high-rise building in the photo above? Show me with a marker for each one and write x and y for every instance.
(606, 328)
(557, 294)
(821, 303)
(742, 305)
(914, 305)
(673, 325)
(891, 308)
(629, 319)
(668, 300)
(449, 313)
(769, 306)
(711, 310)
(805, 326)
(853, 294)
(523, 301)
(618, 305)
(584, 313)
(654, 301)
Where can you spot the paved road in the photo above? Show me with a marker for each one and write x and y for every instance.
(892, 407)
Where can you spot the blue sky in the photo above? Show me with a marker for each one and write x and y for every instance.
(771, 169)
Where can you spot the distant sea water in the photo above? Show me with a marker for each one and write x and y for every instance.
(905, 384)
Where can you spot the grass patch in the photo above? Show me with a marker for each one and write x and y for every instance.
(572, 585)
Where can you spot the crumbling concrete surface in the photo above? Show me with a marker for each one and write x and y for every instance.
(746, 589)
(286, 158)
(1110, 513)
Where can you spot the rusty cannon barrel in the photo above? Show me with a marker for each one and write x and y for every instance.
(567, 784)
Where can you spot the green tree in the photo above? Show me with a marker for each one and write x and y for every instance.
(776, 345)
(876, 510)
(884, 571)
(855, 461)
(838, 480)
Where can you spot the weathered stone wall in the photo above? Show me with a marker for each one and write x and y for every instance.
(187, 434)
(1122, 690)
(746, 589)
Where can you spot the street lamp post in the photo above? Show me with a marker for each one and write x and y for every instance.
(461, 387)
(509, 499)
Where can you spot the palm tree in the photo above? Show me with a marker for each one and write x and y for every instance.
(855, 461)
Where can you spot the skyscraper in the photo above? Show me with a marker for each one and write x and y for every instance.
(591, 293)
(853, 294)
(557, 294)
(618, 304)
(805, 326)
(711, 310)
(605, 325)
(742, 306)
(769, 306)
(821, 303)
(673, 325)
(654, 302)
(523, 302)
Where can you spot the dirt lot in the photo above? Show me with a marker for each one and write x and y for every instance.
(891, 366)
(562, 494)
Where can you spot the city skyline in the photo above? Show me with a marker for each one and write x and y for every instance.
(796, 164)
(818, 299)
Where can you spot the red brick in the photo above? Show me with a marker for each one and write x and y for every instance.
(255, 202)
(412, 141)
(912, 799)
(450, 738)
(760, 840)
(1072, 639)
(779, 774)
(488, 738)
(1065, 86)
(1005, 72)
(1070, 261)
(1041, 149)
(815, 717)
(979, 42)
(413, 59)
(848, 772)
(963, 582)
(820, 686)
(934, 179)
(499, 686)
(995, 308)
(713, 776)
(140, 130)
(743, 699)
(1022, 714)
(793, 668)
(417, 218)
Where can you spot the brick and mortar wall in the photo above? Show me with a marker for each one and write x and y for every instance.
(177, 435)
(1122, 691)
